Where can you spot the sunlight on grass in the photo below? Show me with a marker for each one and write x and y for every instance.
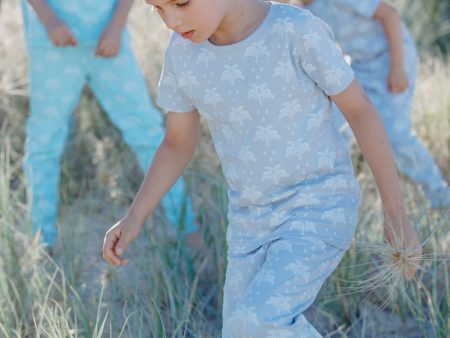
(168, 290)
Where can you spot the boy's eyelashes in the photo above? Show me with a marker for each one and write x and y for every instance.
(183, 4)
(178, 4)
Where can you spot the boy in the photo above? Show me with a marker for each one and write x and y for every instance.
(70, 43)
(264, 76)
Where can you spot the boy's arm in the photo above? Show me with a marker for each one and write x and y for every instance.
(372, 139)
(58, 32)
(392, 24)
(109, 43)
(173, 155)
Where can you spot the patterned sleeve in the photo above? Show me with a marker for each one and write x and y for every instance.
(366, 8)
(170, 96)
(320, 57)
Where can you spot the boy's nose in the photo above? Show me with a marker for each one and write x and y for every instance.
(173, 22)
(174, 25)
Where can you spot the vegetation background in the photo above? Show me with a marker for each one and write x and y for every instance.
(168, 291)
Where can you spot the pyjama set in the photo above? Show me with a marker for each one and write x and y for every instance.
(293, 197)
(57, 76)
(364, 40)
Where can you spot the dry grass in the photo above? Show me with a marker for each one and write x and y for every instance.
(166, 291)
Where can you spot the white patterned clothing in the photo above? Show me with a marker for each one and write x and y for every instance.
(266, 291)
(358, 34)
(364, 40)
(292, 190)
(266, 102)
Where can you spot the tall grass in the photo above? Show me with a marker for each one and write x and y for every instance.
(429, 22)
(167, 290)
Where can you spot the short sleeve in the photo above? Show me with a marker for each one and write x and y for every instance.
(365, 8)
(321, 59)
(171, 96)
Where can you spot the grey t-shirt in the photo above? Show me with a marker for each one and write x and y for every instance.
(266, 102)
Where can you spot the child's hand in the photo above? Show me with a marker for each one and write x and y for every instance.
(403, 239)
(117, 239)
(109, 43)
(59, 33)
(397, 80)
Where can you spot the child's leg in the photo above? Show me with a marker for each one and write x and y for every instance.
(241, 270)
(56, 81)
(266, 296)
(411, 156)
(120, 87)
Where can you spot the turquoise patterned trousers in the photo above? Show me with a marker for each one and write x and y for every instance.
(57, 76)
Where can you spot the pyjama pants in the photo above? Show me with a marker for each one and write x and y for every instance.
(411, 156)
(57, 76)
(267, 290)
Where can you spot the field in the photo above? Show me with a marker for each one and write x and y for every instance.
(167, 290)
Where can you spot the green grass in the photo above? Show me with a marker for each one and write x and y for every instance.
(167, 291)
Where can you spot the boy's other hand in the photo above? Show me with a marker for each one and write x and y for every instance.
(402, 236)
(117, 239)
(59, 33)
(109, 43)
(397, 80)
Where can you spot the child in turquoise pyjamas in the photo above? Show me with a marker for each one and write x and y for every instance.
(71, 43)
(264, 76)
(384, 59)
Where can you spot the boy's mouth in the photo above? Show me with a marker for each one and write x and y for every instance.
(188, 34)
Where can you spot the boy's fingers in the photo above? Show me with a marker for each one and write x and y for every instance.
(114, 51)
(100, 50)
(108, 249)
(106, 50)
(121, 245)
(64, 40)
(110, 257)
(56, 40)
(115, 260)
(72, 40)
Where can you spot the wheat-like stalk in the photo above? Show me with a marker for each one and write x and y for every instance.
(388, 272)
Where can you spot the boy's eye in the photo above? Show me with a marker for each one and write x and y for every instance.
(183, 4)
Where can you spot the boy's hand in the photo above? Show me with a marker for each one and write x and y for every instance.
(109, 43)
(59, 33)
(403, 238)
(117, 239)
(397, 80)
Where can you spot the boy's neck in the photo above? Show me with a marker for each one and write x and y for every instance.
(241, 19)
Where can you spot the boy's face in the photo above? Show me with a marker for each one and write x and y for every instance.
(195, 20)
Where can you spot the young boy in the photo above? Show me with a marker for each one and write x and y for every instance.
(384, 59)
(70, 43)
(264, 75)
